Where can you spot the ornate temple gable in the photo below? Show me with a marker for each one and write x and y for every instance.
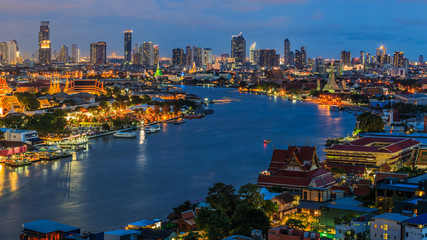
(294, 162)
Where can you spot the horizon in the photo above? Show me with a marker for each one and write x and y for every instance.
(325, 28)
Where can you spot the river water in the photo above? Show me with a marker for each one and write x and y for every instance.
(119, 181)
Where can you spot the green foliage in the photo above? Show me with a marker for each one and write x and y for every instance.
(214, 222)
(192, 236)
(222, 197)
(29, 100)
(105, 127)
(103, 104)
(246, 218)
(295, 223)
(250, 194)
(359, 99)
(349, 235)
(411, 171)
(270, 208)
(337, 170)
(50, 122)
(369, 122)
(183, 207)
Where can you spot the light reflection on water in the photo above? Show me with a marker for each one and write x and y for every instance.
(118, 181)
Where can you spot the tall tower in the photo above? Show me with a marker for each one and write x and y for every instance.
(252, 53)
(98, 53)
(287, 53)
(398, 60)
(362, 57)
(128, 47)
(345, 58)
(238, 48)
(44, 44)
(75, 53)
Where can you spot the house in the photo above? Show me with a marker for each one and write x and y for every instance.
(379, 176)
(416, 228)
(286, 233)
(46, 229)
(186, 221)
(359, 224)
(372, 152)
(12, 147)
(26, 136)
(285, 203)
(416, 98)
(295, 169)
(390, 189)
(122, 234)
(330, 212)
(387, 226)
(158, 234)
(313, 198)
(410, 207)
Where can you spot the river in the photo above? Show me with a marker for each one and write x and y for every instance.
(119, 181)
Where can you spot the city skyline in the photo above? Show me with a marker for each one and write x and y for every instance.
(325, 28)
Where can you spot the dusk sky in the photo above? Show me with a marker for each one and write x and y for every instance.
(325, 27)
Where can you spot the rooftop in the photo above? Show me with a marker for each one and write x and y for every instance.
(47, 226)
(392, 216)
(351, 208)
(420, 220)
(122, 232)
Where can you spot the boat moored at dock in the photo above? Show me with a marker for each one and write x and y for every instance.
(152, 129)
(125, 134)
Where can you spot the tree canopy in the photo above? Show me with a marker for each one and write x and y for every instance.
(369, 122)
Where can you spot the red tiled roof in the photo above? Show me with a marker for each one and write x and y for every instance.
(270, 180)
(361, 190)
(346, 190)
(364, 182)
(355, 148)
(382, 175)
(188, 214)
(399, 146)
(280, 158)
(285, 198)
(320, 176)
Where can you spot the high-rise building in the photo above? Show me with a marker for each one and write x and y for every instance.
(198, 56)
(207, 56)
(238, 48)
(381, 56)
(128, 47)
(368, 58)
(421, 59)
(304, 55)
(345, 58)
(156, 54)
(45, 52)
(75, 53)
(178, 57)
(292, 58)
(147, 54)
(3, 53)
(12, 52)
(98, 53)
(362, 57)
(398, 60)
(63, 54)
(253, 54)
(136, 55)
(268, 58)
(287, 52)
(299, 60)
(188, 56)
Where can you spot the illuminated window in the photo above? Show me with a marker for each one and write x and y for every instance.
(385, 227)
(385, 236)
(375, 225)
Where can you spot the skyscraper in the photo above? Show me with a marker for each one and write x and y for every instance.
(299, 60)
(98, 53)
(253, 54)
(362, 57)
(44, 44)
(268, 58)
(12, 52)
(3, 53)
(178, 57)
(207, 56)
(345, 58)
(147, 54)
(128, 47)
(136, 55)
(75, 53)
(188, 56)
(381, 54)
(156, 55)
(238, 48)
(287, 56)
(63, 54)
(304, 55)
(398, 60)
(198, 56)
(421, 59)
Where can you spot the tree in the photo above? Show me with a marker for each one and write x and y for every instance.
(270, 208)
(349, 235)
(29, 100)
(166, 108)
(295, 223)
(369, 122)
(250, 194)
(103, 104)
(222, 197)
(192, 236)
(246, 218)
(214, 222)
(183, 207)
(105, 127)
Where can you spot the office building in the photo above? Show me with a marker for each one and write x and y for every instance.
(345, 58)
(3, 53)
(136, 55)
(128, 47)
(253, 54)
(98, 53)
(238, 48)
(304, 55)
(381, 56)
(63, 54)
(147, 54)
(12, 52)
(156, 54)
(287, 52)
(362, 57)
(75, 53)
(299, 60)
(207, 56)
(45, 52)
(198, 56)
(421, 59)
(189, 56)
(267, 58)
(398, 60)
(178, 57)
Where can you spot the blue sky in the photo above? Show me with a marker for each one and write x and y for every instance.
(325, 26)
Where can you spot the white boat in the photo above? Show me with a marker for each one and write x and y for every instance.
(334, 108)
(152, 128)
(123, 134)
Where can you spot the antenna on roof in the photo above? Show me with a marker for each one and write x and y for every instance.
(273, 147)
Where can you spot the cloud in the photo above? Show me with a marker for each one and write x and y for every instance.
(411, 22)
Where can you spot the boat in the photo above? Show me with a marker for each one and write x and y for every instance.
(194, 116)
(267, 141)
(124, 134)
(152, 129)
(334, 108)
(19, 163)
(179, 122)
